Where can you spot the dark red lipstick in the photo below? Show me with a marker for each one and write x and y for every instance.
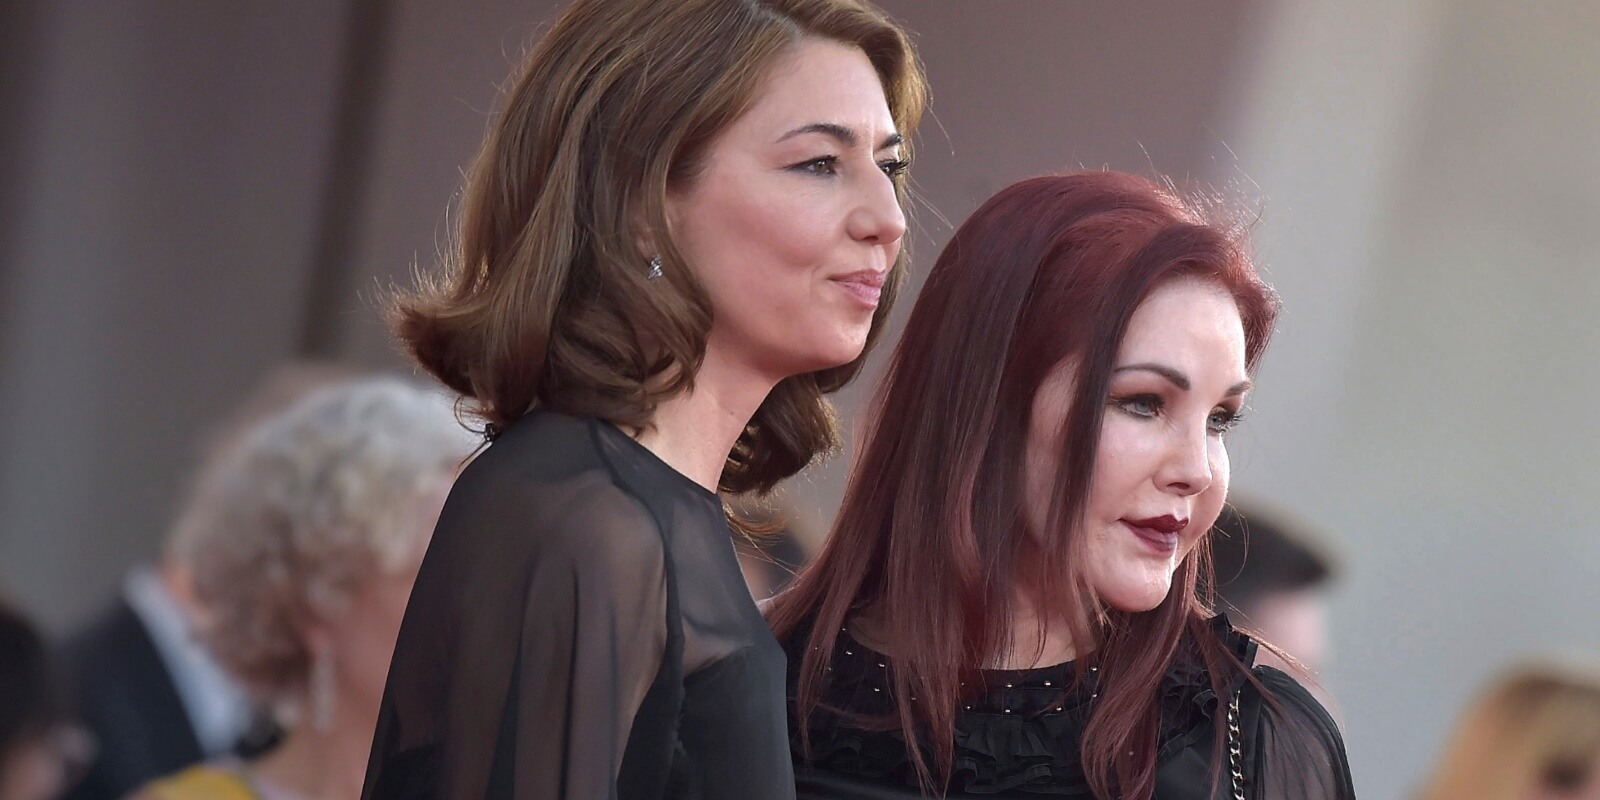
(1160, 534)
(1166, 524)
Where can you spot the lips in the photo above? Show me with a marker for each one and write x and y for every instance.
(865, 286)
(1160, 534)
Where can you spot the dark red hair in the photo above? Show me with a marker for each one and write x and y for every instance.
(930, 532)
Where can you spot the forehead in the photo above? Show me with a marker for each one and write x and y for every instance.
(818, 80)
(1189, 323)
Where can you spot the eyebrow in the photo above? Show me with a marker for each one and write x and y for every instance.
(1179, 379)
(843, 134)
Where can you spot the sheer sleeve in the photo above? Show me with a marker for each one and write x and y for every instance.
(1298, 750)
(533, 660)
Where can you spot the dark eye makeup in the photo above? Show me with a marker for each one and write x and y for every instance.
(829, 166)
(1151, 406)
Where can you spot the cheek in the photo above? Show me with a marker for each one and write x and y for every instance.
(1126, 459)
(749, 245)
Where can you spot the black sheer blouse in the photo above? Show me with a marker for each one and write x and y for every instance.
(1020, 737)
(580, 629)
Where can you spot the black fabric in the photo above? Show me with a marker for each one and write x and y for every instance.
(1020, 735)
(122, 693)
(580, 629)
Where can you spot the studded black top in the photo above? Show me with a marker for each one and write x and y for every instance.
(1020, 734)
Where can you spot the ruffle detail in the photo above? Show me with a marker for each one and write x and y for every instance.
(1189, 705)
(997, 753)
(1022, 737)
(993, 754)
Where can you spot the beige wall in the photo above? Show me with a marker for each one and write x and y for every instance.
(1430, 175)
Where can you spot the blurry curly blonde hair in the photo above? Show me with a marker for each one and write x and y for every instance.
(303, 510)
(1536, 728)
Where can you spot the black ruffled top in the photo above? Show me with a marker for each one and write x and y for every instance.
(1020, 736)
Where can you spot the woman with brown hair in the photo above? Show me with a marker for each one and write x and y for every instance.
(1012, 601)
(1534, 734)
(681, 233)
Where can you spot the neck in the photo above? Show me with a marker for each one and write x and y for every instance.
(1033, 645)
(694, 432)
(321, 765)
(1030, 647)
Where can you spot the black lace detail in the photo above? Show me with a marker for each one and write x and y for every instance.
(1019, 735)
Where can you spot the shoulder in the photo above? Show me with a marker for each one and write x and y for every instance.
(1288, 701)
(1284, 694)
(542, 447)
(1295, 747)
(1279, 684)
(542, 488)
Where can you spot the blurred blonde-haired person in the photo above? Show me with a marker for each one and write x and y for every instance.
(1532, 735)
(304, 541)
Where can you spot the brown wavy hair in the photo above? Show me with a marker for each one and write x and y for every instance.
(931, 528)
(543, 300)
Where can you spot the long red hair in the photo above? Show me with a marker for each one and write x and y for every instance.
(930, 533)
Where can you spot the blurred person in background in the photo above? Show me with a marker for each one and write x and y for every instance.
(303, 542)
(149, 693)
(1273, 578)
(1533, 734)
(681, 234)
(37, 753)
(1007, 604)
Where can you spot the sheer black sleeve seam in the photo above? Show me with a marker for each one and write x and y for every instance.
(616, 480)
(669, 574)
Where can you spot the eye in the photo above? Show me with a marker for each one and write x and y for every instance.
(1143, 406)
(1223, 420)
(826, 165)
(894, 168)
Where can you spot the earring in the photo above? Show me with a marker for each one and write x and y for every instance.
(322, 693)
(655, 267)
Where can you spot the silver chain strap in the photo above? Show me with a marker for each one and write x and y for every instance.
(1235, 755)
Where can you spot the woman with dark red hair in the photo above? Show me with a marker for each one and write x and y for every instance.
(1014, 601)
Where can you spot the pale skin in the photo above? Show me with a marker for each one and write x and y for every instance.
(1178, 384)
(791, 222)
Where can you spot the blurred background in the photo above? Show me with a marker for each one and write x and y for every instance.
(197, 192)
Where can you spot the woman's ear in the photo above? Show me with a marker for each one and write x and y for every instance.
(648, 237)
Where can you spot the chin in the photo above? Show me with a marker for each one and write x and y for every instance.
(1135, 595)
(839, 351)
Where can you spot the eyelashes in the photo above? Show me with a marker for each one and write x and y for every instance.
(1143, 406)
(829, 166)
(1151, 406)
(1223, 421)
(895, 168)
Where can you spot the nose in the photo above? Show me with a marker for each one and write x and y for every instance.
(1187, 469)
(877, 217)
